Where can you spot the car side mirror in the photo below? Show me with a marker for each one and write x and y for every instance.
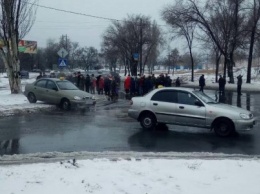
(56, 89)
(198, 103)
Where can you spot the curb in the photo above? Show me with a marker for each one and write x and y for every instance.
(51, 157)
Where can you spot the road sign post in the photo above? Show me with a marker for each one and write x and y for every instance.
(62, 61)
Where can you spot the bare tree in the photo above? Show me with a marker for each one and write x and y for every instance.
(87, 57)
(150, 48)
(72, 53)
(111, 56)
(228, 17)
(252, 25)
(50, 53)
(17, 18)
(212, 52)
(175, 17)
(136, 34)
(172, 59)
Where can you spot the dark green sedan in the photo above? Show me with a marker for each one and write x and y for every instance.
(60, 92)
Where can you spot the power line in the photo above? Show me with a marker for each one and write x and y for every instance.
(72, 12)
(82, 14)
(68, 22)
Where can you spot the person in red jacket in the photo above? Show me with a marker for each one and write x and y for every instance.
(127, 85)
(101, 85)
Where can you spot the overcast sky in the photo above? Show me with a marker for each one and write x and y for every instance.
(87, 30)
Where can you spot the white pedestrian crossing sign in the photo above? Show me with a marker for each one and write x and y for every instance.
(62, 62)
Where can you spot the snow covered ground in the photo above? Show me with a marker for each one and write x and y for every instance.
(127, 172)
(153, 176)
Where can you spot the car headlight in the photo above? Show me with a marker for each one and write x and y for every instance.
(245, 116)
(77, 98)
(93, 98)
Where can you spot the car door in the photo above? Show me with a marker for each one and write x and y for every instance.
(187, 113)
(52, 93)
(163, 104)
(39, 89)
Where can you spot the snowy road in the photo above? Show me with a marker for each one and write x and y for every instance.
(109, 129)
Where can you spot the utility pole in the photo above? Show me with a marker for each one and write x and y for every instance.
(141, 46)
(66, 42)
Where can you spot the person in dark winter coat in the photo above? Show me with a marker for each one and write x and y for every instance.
(239, 84)
(150, 83)
(137, 79)
(178, 82)
(39, 76)
(202, 82)
(145, 85)
(162, 80)
(81, 82)
(87, 83)
(78, 78)
(168, 81)
(132, 87)
(141, 85)
(107, 83)
(153, 81)
(221, 84)
(113, 89)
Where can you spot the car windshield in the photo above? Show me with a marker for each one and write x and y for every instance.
(66, 85)
(205, 98)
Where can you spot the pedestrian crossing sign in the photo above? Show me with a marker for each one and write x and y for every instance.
(62, 62)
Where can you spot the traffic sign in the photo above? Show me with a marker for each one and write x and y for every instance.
(62, 52)
(62, 62)
(136, 56)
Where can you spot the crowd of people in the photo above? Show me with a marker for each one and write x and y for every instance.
(134, 85)
(101, 84)
(140, 85)
(109, 85)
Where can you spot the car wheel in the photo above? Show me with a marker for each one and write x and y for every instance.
(224, 128)
(32, 98)
(148, 121)
(65, 104)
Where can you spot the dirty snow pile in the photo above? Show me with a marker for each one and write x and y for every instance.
(16, 103)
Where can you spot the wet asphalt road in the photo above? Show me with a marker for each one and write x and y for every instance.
(108, 128)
